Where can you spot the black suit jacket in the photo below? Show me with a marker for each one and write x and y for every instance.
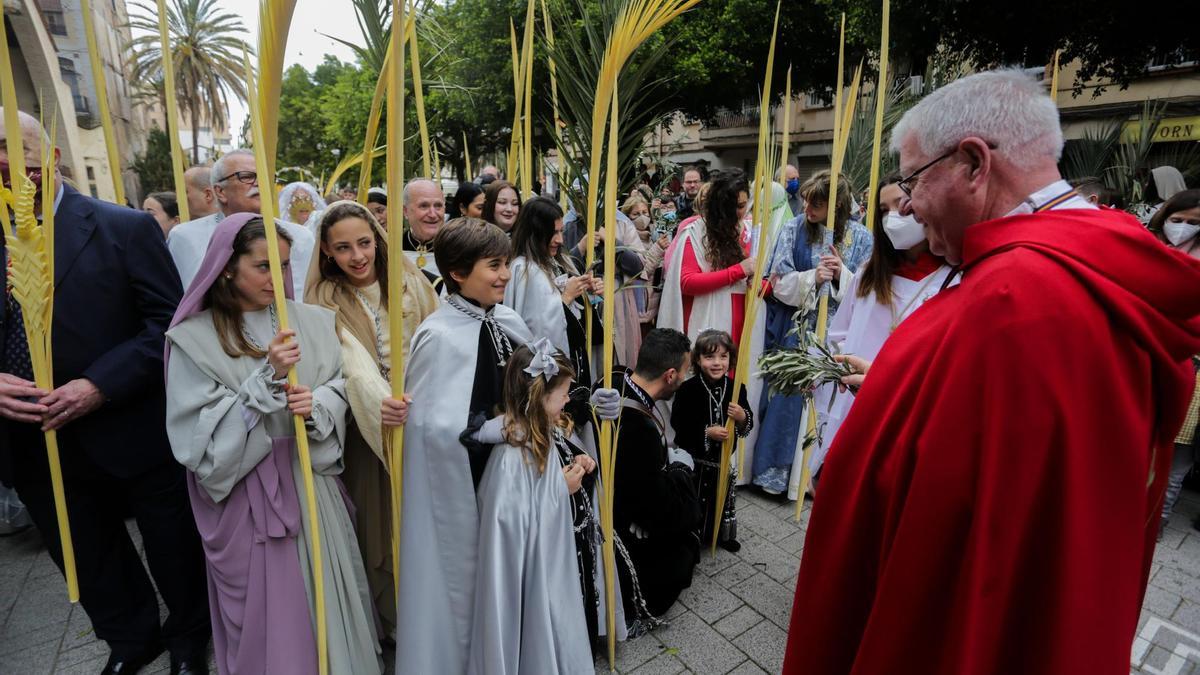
(116, 290)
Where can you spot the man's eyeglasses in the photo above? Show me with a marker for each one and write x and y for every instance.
(244, 177)
(907, 184)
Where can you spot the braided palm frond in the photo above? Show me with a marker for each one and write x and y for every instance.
(32, 268)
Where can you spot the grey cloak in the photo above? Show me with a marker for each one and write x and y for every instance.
(529, 615)
(440, 520)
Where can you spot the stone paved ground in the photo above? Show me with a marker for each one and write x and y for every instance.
(732, 620)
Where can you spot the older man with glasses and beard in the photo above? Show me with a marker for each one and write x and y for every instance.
(235, 185)
(991, 502)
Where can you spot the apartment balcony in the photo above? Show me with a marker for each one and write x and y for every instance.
(731, 126)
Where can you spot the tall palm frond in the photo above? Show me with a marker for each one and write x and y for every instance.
(207, 44)
(1090, 156)
(641, 91)
(375, 23)
(1127, 170)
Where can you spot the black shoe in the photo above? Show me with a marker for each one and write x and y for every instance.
(730, 545)
(126, 664)
(193, 664)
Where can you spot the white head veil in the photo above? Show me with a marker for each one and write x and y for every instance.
(289, 194)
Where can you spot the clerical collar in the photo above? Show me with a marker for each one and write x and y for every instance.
(1057, 195)
(411, 243)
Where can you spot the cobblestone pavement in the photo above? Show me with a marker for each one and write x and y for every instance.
(732, 620)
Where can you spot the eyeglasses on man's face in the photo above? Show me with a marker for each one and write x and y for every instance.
(243, 177)
(907, 184)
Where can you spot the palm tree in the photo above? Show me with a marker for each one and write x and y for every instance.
(207, 44)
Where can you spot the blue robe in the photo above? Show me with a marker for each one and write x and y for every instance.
(782, 415)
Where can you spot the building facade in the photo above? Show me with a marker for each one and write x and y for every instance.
(730, 139)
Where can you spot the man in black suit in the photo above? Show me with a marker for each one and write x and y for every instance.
(115, 292)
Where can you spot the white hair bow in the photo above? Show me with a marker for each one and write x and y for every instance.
(543, 362)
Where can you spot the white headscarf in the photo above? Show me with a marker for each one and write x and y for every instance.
(289, 194)
(1167, 181)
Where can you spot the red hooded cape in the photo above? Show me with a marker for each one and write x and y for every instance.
(991, 502)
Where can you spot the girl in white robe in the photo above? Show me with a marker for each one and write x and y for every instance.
(349, 276)
(230, 422)
(529, 613)
(546, 289)
(900, 277)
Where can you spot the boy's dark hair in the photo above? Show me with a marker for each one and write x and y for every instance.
(662, 350)
(462, 242)
(377, 197)
(708, 342)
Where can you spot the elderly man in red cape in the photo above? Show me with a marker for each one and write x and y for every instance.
(991, 503)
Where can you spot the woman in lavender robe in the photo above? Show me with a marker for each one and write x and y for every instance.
(229, 419)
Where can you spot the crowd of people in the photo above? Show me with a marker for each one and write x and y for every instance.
(499, 562)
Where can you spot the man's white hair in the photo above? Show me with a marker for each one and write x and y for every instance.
(220, 167)
(415, 181)
(1007, 108)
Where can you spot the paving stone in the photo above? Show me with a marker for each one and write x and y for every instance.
(1187, 616)
(11, 641)
(764, 644)
(1156, 659)
(90, 667)
(32, 661)
(632, 653)
(709, 600)
(39, 605)
(768, 558)
(43, 566)
(1172, 538)
(733, 619)
(712, 565)
(793, 543)
(1176, 581)
(767, 597)
(738, 622)
(748, 668)
(88, 652)
(1183, 515)
(663, 664)
(79, 629)
(12, 580)
(763, 523)
(701, 648)
(1161, 601)
(735, 574)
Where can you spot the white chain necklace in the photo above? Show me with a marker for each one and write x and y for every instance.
(384, 368)
(274, 329)
(500, 340)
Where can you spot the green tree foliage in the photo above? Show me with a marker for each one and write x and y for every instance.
(206, 50)
(721, 45)
(153, 167)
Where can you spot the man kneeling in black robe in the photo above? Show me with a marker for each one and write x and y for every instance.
(656, 513)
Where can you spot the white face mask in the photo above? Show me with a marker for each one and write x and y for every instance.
(904, 231)
(1179, 233)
